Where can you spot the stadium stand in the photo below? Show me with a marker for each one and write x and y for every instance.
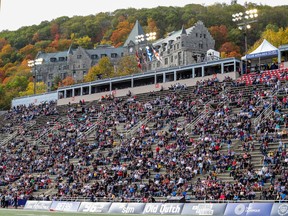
(213, 141)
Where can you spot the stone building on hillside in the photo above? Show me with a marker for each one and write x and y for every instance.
(179, 48)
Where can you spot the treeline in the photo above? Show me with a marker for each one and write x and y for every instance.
(17, 47)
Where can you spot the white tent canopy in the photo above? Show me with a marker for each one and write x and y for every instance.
(263, 51)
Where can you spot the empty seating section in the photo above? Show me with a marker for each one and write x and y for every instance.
(264, 76)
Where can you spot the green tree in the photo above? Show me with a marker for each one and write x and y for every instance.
(127, 65)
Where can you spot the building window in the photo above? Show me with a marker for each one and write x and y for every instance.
(50, 76)
(178, 46)
(79, 56)
(61, 59)
(171, 59)
(200, 45)
(84, 73)
(74, 74)
(113, 55)
(200, 35)
(158, 63)
(196, 34)
(63, 75)
(204, 35)
(103, 55)
(79, 66)
(94, 56)
(84, 66)
(166, 61)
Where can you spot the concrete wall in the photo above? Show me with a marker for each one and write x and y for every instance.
(35, 99)
(143, 89)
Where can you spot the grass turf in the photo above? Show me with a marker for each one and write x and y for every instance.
(22, 212)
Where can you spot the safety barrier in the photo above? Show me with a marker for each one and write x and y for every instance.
(213, 209)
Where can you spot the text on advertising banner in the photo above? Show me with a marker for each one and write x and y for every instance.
(64, 206)
(127, 208)
(38, 205)
(259, 209)
(279, 209)
(213, 209)
(166, 208)
(94, 207)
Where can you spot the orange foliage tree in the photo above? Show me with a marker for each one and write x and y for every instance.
(230, 49)
(220, 34)
(121, 33)
(68, 81)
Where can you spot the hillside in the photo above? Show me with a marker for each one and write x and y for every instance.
(17, 47)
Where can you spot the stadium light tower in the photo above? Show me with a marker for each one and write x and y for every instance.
(33, 64)
(143, 39)
(244, 20)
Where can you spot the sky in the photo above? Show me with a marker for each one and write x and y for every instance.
(15, 14)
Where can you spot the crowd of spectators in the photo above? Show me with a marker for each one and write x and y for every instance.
(166, 156)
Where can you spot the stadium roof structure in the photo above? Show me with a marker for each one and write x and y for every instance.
(265, 50)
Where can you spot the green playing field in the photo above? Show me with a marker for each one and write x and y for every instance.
(21, 212)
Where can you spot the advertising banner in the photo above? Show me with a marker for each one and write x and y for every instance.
(30, 205)
(215, 209)
(166, 208)
(259, 209)
(279, 209)
(94, 207)
(38, 205)
(236, 209)
(127, 208)
(248, 209)
(64, 206)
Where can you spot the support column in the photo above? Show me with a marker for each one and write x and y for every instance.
(175, 76)
(193, 72)
(110, 86)
(222, 68)
(65, 94)
(90, 90)
(164, 77)
(73, 92)
(132, 82)
(202, 71)
(81, 91)
(155, 78)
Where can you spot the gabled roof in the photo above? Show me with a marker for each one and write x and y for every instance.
(137, 30)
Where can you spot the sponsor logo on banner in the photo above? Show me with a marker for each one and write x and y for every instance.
(127, 208)
(248, 209)
(167, 208)
(204, 209)
(256, 209)
(99, 207)
(279, 209)
(64, 206)
(30, 204)
(38, 205)
(236, 209)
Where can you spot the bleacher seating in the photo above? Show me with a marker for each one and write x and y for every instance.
(213, 141)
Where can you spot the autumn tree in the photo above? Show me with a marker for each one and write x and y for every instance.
(67, 81)
(41, 87)
(230, 49)
(84, 42)
(121, 33)
(104, 69)
(219, 33)
(127, 65)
